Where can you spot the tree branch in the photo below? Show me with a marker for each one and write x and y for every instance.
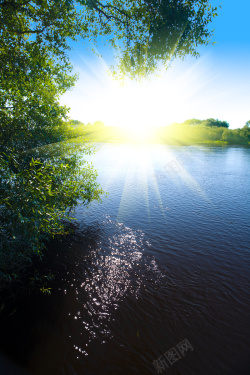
(108, 16)
(15, 5)
(36, 31)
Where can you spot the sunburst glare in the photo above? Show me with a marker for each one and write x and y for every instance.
(173, 96)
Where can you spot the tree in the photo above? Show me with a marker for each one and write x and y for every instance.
(192, 121)
(245, 131)
(42, 177)
(165, 30)
(234, 137)
(247, 125)
(217, 123)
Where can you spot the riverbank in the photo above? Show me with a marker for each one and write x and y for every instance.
(176, 134)
(99, 139)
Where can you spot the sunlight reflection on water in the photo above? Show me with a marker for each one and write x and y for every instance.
(110, 271)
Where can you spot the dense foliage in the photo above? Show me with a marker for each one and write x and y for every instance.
(42, 172)
(167, 29)
(207, 122)
(208, 131)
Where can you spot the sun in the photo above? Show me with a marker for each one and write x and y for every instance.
(175, 95)
(140, 107)
(140, 134)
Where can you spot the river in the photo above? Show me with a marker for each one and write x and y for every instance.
(155, 279)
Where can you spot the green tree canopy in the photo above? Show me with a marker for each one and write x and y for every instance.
(193, 121)
(208, 122)
(167, 29)
(146, 32)
(217, 123)
(247, 125)
(245, 131)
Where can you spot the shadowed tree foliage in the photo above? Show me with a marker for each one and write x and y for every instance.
(217, 123)
(168, 29)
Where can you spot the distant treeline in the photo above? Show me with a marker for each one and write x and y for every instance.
(207, 122)
(209, 131)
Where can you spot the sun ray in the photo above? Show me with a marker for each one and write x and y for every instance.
(139, 166)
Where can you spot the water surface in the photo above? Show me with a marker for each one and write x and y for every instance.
(162, 261)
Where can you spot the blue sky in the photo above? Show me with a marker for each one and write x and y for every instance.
(217, 84)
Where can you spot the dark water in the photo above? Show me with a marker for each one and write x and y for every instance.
(156, 275)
